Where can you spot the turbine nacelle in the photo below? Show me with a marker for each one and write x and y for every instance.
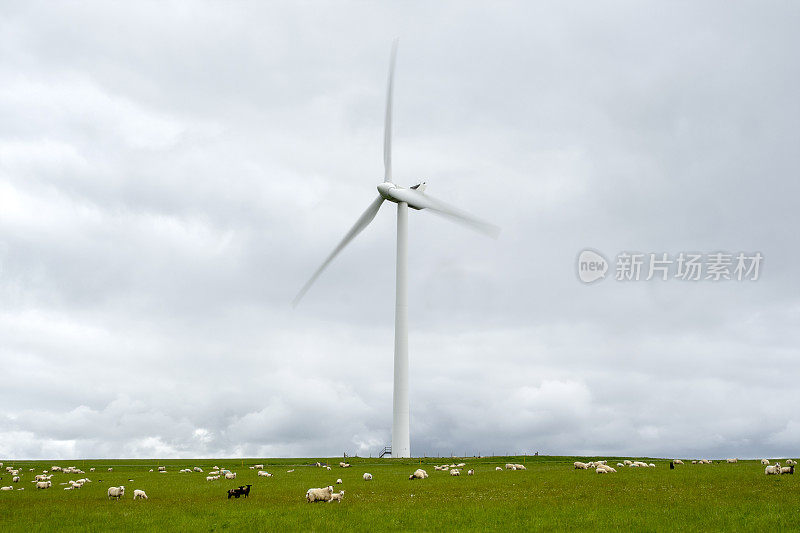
(393, 193)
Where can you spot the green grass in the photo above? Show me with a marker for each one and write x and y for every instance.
(549, 495)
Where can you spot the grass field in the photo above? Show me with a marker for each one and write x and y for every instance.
(549, 495)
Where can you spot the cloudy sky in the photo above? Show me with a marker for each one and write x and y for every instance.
(172, 173)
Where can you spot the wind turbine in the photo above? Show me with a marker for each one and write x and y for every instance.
(415, 198)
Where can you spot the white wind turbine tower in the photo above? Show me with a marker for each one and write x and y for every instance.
(415, 198)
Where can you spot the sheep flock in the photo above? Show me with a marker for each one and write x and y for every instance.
(72, 478)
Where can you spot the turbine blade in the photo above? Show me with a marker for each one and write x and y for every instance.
(387, 124)
(360, 224)
(420, 200)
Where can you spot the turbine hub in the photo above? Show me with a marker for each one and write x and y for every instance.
(383, 190)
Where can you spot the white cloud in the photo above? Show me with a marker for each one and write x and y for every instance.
(163, 199)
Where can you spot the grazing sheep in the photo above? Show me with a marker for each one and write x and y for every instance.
(259, 467)
(319, 495)
(110, 469)
(498, 468)
(678, 462)
(791, 462)
(605, 469)
(263, 473)
(327, 468)
(211, 478)
(43, 484)
(627, 462)
(470, 472)
(336, 497)
(139, 495)
(765, 461)
(620, 465)
(116, 492)
(461, 465)
(509, 466)
(15, 479)
(418, 474)
(651, 465)
(772, 470)
(367, 476)
(455, 472)
(580, 466)
(787, 469)
(290, 471)
(339, 481)
(7, 488)
(197, 469)
(230, 475)
(243, 490)
(732, 460)
(520, 467)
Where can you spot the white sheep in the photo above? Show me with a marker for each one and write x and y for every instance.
(7, 488)
(259, 467)
(765, 461)
(230, 475)
(43, 484)
(211, 478)
(461, 465)
(339, 481)
(139, 495)
(520, 467)
(15, 479)
(290, 471)
(455, 472)
(263, 473)
(336, 496)
(116, 492)
(772, 470)
(677, 462)
(367, 476)
(510, 466)
(418, 474)
(580, 466)
(92, 469)
(498, 468)
(327, 468)
(791, 462)
(651, 465)
(787, 469)
(319, 495)
(605, 469)
(627, 462)
(197, 469)
(470, 472)
(734, 460)
(110, 469)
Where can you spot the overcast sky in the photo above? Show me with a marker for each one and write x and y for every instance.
(172, 173)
